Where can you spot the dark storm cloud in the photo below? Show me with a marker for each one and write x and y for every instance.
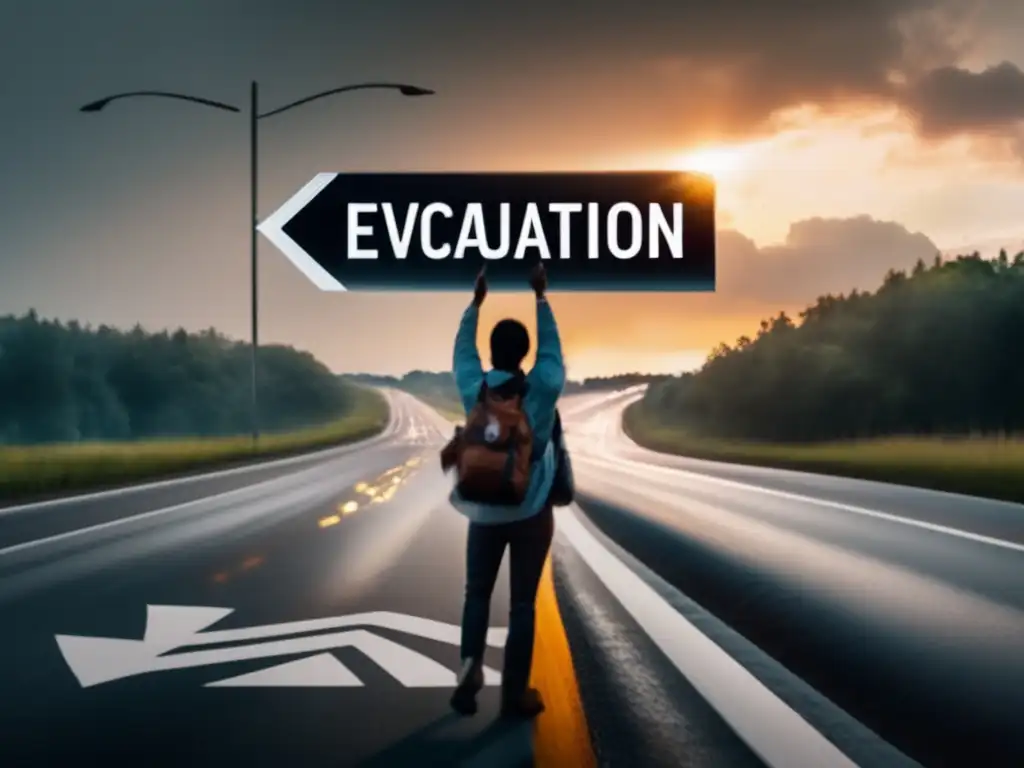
(723, 67)
(738, 62)
(950, 100)
(730, 65)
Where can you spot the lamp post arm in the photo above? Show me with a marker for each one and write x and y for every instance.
(405, 89)
(96, 106)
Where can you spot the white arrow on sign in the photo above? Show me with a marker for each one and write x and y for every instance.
(273, 229)
(96, 660)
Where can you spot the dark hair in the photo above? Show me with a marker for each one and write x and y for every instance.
(510, 343)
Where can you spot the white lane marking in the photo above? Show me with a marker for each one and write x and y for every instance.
(26, 545)
(773, 730)
(421, 432)
(246, 490)
(111, 493)
(275, 494)
(617, 462)
(97, 660)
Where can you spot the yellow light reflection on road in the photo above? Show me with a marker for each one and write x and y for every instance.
(225, 575)
(379, 490)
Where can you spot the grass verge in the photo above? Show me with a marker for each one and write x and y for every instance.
(976, 466)
(28, 472)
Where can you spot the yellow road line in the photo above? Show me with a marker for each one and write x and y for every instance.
(561, 737)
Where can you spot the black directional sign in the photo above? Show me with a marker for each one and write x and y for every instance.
(625, 231)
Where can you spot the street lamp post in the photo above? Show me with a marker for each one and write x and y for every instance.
(254, 117)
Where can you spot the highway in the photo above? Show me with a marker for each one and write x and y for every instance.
(304, 612)
(904, 607)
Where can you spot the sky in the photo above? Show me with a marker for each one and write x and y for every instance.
(846, 139)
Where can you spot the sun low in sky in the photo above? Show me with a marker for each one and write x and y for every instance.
(714, 161)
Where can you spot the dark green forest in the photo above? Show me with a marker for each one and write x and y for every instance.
(936, 351)
(65, 382)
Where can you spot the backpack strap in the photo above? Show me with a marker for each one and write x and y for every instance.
(556, 440)
(556, 430)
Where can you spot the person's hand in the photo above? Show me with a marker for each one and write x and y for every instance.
(480, 287)
(539, 279)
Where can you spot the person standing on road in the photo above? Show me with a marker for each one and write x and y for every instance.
(522, 413)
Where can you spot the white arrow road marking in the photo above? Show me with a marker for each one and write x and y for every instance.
(273, 229)
(172, 626)
(323, 671)
(171, 621)
(96, 660)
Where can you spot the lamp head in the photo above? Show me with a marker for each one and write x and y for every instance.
(95, 106)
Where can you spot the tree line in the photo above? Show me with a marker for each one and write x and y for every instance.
(934, 351)
(609, 383)
(66, 382)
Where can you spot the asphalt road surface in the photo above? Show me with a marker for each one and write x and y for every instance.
(904, 607)
(304, 612)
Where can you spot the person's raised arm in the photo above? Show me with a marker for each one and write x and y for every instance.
(549, 368)
(466, 367)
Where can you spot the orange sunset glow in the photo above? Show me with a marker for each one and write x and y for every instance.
(833, 163)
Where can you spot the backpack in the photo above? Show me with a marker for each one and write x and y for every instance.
(495, 451)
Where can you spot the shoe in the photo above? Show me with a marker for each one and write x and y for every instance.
(471, 680)
(526, 705)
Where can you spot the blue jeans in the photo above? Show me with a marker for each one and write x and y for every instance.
(528, 542)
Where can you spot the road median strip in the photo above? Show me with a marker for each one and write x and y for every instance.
(561, 736)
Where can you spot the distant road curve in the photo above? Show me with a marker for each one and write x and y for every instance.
(903, 606)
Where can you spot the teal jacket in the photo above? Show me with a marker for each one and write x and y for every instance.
(545, 380)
